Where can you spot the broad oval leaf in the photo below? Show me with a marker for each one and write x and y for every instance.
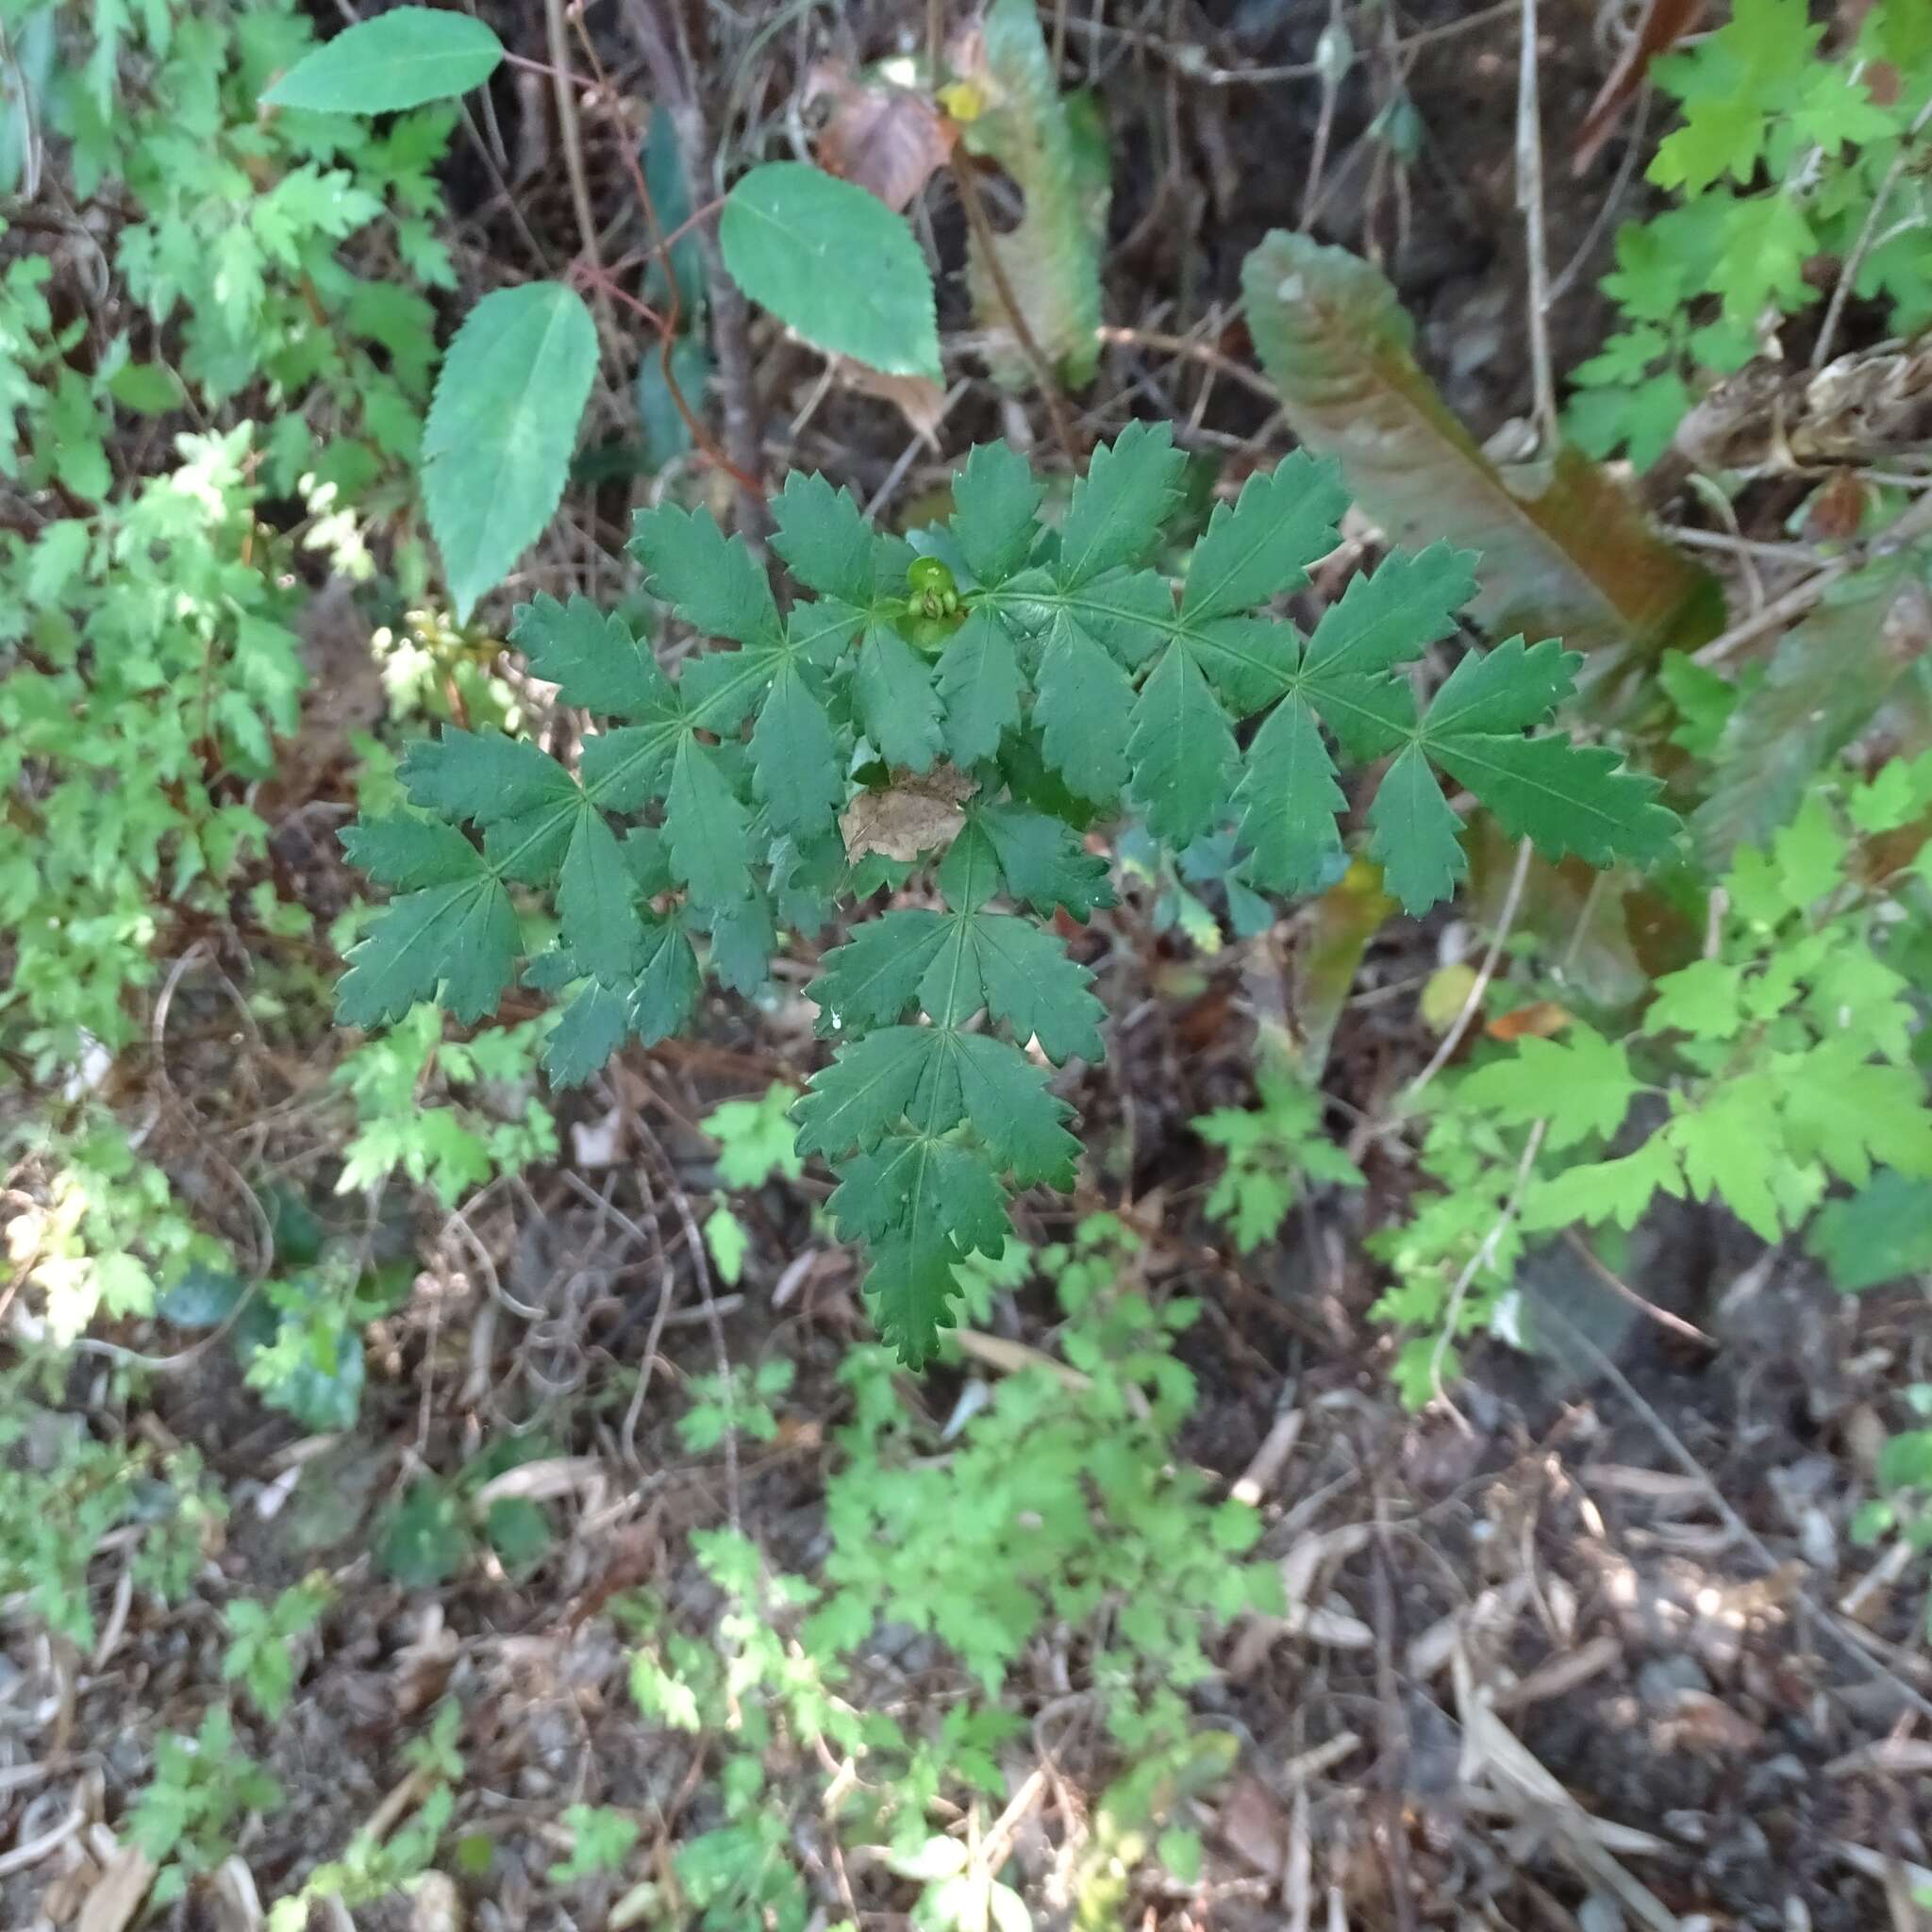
(497, 445)
(833, 263)
(399, 60)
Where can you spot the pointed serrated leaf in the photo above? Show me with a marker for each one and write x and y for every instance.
(1249, 660)
(1181, 749)
(596, 903)
(866, 1089)
(910, 1287)
(483, 776)
(1508, 689)
(587, 1033)
(409, 853)
(830, 546)
(1288, 801)
(980, 684)
(744, 938)
(1390, 616)
(1027, 979)
(707, 828)
(995, 511)
(1118, 507)
(624, 769)
(590, 658)
(1004, 1096)
(712, 581)
(1565, 797)
(1415, 834)
(502, 425)
(461, 937)
(874, 976)
(1084, 706)
(794, 759)
(892, 687)
(1261, 545)
(666, 990)
(1043, 862)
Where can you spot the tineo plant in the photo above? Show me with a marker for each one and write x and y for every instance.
(981, 697)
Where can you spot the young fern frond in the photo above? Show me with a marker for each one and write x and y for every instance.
(969, 705)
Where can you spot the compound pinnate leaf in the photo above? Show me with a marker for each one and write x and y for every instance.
(457, 941)
(484, 777)
(587, 1033)
(1118, 507)
(1288, 801)
(498, 442)
(399, 60)
(996, 502)
(867, 1089)
(833, 263)
(596, 904)
(1005, 1097)
(712, 580)
(1084, 706)
(1393, 614)
(1043, 862)
(1261, 545)
(828, 545)
(897, 705)
(1414, 836)
(591, 658)
(1182, 749)
(980, 684)
(667, 987)
(874, 975)
(707, 830)
(794, 758)
(409, 853)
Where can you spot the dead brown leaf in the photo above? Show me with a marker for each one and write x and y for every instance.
(918, 398)
(887, 140)
(912, 815)
(114, 1901)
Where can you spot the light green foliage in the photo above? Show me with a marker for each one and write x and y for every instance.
(450, 1149)
(1065, 667)
(263, 1638)
(1776, 161)
(1061, 1503)
(601, 1841)
(496, 448)
(1760, 1075)
(401, 59)
(833, 263)
(370, 1868)
(1903, 1508)
(188, 1815)
(145, 611)
(62, 1492)
(744, 1407)
(1273, 1150)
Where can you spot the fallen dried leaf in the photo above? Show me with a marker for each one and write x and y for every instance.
(918, 398)
(911, 816)
(113, 1904)
(889, 140)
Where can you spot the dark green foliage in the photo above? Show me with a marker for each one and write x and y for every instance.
(899, 727)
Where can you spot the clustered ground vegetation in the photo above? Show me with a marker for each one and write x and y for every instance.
(965, 966)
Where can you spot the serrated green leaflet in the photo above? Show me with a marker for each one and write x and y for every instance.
(497, 441)
(591, 658)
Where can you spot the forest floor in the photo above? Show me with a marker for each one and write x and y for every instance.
(1595, 1647)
